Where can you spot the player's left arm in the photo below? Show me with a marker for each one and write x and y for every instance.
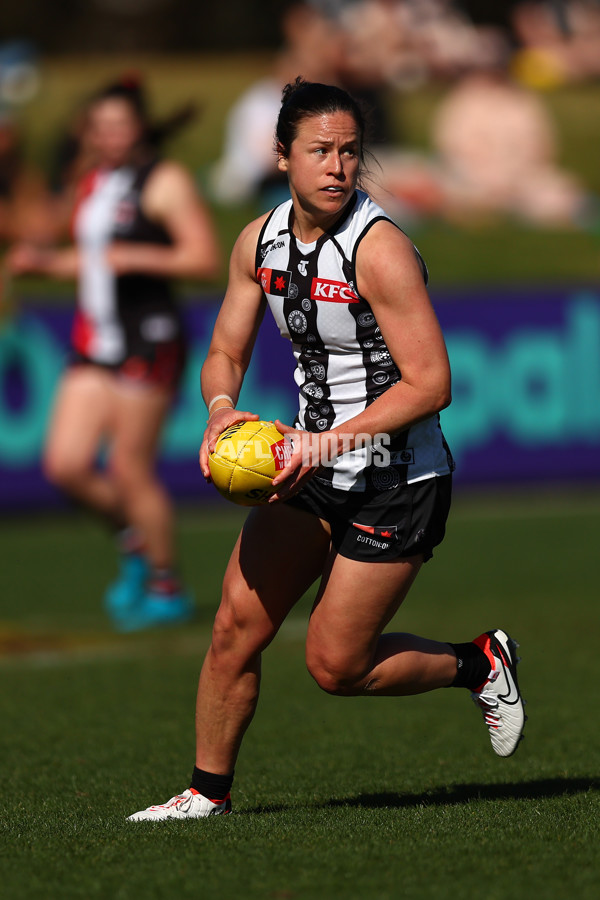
(171, 199)
(390, 278)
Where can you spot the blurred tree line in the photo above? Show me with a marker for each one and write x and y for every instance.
(118, 26)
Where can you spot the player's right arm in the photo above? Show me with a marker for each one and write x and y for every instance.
(60, 263)
(232, 342)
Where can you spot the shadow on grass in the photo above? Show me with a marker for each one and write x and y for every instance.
(544, 788)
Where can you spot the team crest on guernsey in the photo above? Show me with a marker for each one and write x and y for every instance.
(275, 281)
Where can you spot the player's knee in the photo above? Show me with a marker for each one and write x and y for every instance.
(64, 471)
(335, 676)
(237, 633)
(126, 471)
(226, 631)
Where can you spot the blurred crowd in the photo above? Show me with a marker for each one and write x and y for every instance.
(494, 150)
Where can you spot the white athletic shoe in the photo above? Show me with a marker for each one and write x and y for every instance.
(499, 697)
(189, 805)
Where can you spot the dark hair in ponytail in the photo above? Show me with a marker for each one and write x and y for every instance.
(303, 99)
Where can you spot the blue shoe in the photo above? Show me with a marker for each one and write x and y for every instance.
(154, 610)
(126, 593)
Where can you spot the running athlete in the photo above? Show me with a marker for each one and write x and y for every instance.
(138, 223)
(347, 288)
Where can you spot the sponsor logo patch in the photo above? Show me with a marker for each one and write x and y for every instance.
(275, 281)
(382, 531)
(277, 245)
(332, 291)
(282, 452)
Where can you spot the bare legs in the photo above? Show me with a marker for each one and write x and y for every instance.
(92, 406)
(279, 554)
(346, 651)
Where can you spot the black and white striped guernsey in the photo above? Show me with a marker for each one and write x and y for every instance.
(342, 361)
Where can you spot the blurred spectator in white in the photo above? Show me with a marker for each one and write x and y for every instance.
(312, 47)
(559, 41)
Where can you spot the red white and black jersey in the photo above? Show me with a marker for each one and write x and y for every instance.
(342, 361)
(118, 316)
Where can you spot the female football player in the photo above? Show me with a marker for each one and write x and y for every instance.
(138, 223)
(347, 289)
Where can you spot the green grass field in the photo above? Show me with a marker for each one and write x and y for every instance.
(334, 798)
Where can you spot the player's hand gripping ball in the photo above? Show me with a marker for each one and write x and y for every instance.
(246, 459)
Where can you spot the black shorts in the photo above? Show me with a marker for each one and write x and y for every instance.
(161, 365)
(380, 526)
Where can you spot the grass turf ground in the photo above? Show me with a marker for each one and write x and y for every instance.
(334, 798)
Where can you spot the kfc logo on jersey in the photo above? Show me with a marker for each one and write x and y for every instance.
(275, 281)
(332, 291)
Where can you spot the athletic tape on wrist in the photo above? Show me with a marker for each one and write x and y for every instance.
(220, 397)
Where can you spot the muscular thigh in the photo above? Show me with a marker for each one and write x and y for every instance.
(280, 552)
(81, 416)
(356, 601)
(139, 414)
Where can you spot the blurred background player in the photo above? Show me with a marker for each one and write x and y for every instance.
(138, 223)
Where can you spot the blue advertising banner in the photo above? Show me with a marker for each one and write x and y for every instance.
(526, 388)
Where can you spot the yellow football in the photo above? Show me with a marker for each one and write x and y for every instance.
(246, 459)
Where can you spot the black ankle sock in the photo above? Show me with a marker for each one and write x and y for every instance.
(473, 666)
(129, 541)
(215, 787)
(165, 582)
